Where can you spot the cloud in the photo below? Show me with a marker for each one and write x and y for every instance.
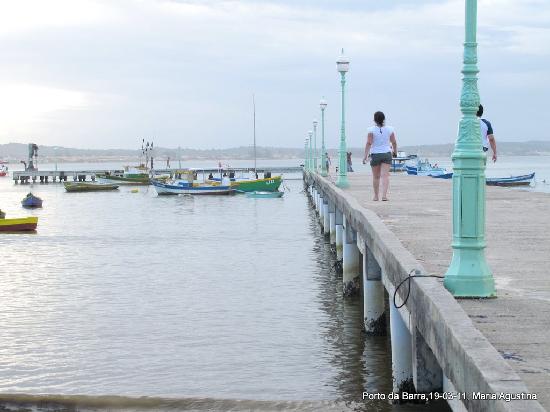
(185, 70)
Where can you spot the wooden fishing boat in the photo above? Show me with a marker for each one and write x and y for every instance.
(185, 188)
(31, 201)
(23, 224)
(88, 187)
(264, 195)
(125, 179)
(522, 180)
(424, 168)
(269, 184)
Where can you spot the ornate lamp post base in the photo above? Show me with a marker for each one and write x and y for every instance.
(469, 276)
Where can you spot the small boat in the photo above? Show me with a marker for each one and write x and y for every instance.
(88, 187)
(398, 163)
(523, 180)
(443, 175)
(264, 195)
(2, 214)
(128, 178)
(3, 171)
(181, 187)
(31, 201)
(23, 224)
(425, 168)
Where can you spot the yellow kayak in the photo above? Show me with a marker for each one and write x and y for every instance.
(26, 224)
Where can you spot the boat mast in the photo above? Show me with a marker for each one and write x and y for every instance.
(254, 119)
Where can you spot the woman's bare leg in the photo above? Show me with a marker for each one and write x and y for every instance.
(376, 180)
(385, 176)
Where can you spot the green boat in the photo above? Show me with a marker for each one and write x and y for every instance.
(88, 187)
(126, 179)
(270, 184)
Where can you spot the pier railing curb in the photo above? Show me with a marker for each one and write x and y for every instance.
(466, 357)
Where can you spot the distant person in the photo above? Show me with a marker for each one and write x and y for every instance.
(487, 137)
(327, 162)
(348, 162)
(380, 145)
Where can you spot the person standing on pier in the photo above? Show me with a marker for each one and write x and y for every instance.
(487, 136)
(327, 162)
(349, 163)
(380, 145)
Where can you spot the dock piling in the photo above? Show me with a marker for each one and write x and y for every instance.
(339, 233)
(351, 265)
(373, 296)
(401, 353)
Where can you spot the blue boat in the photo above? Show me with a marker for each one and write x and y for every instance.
(181, 187)
(443, 176)
(425, 168)
(522, 180)
(31, 201)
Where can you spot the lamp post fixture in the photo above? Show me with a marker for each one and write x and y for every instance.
(305, 155)
(324, 171)
(315, 152)
(310, 135)
(342, 65)
(468, 274)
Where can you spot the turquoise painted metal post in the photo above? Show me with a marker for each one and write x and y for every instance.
(315, 152)
(324, 171)
(342, 181)
(310, 134)
(468, 274)
(305, 155)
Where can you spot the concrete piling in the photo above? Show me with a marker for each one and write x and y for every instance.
(326, 218)
(427, 374)
(350, 265)
(401, 352)
(332, 222)
(373, 296)
(339, 223)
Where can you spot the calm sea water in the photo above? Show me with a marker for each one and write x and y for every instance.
(217, 303)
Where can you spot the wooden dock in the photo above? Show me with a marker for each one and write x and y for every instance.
(53, 176)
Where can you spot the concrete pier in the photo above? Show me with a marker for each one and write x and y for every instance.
(474, 346)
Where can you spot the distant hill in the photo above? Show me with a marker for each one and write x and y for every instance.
(15, 152)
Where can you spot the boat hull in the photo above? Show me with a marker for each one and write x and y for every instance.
(25, 224)
(32, 202)
(119, 180)
(172, 189)
(270, 184)
(265, 195)
(89, 187)
(523, 180)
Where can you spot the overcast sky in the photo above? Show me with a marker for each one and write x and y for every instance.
(104, 74)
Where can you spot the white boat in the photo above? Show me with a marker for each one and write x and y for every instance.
(182, 187)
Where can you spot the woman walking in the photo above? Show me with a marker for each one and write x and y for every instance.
(380, 142)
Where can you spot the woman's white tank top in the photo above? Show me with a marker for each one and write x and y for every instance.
(381, 139)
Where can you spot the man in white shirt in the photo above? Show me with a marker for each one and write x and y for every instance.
(487, 136)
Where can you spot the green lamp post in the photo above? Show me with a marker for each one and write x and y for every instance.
(324, 171)
(468, 274)
(305, 155)
(310, 134)
(342, 65)
(315, 152)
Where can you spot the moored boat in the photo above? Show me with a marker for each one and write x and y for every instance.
(522, 180)
(265, 195)
(23, 224)
(425, 168)
(3, 171)
(128, 178)
(88, 187)
(181, 187)
(31, 201)
(443, 175)
(268, 184)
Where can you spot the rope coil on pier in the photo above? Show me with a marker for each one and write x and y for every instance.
(417, 274)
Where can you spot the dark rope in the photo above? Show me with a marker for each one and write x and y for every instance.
(408, 279)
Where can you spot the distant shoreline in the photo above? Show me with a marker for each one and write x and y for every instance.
(15, 152)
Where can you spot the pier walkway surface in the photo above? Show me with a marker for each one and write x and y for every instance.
(517, 322)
